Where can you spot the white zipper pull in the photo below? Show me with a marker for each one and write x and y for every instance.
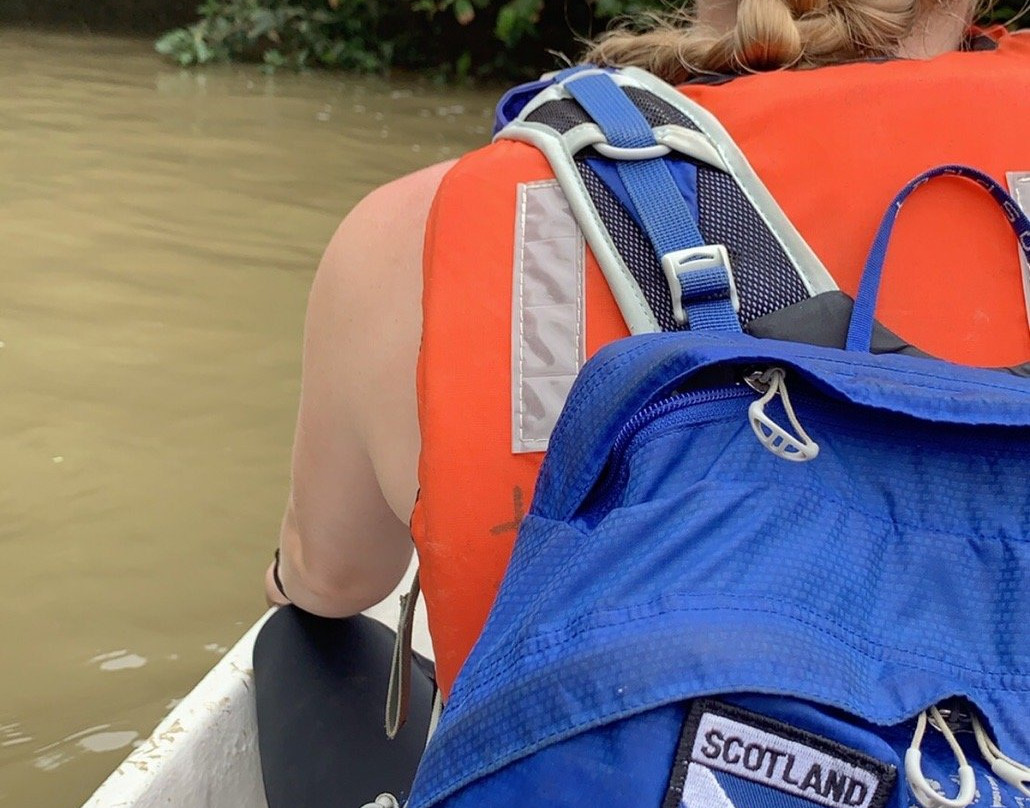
(798, 447)
(925, 794)
(383, 801)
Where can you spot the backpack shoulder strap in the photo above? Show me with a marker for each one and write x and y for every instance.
(651, 177)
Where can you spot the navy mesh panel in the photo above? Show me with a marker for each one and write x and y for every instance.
(655, 110)
(563, 115)
(634, 247)
(766, 280)
(559, 115)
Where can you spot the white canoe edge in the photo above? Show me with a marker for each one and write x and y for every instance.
(204, 753)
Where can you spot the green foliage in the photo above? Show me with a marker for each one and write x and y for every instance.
(284, 33)
(453, 38)
(456, 38)
(1005, 13)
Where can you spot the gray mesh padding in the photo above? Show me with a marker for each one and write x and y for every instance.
(634, 247)
(559, 115)
(655, 110)
(563, 115)
(765, 278)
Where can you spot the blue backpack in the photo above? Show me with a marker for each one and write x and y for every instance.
(760, 573)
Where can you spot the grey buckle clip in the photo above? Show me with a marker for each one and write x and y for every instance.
(696, 259)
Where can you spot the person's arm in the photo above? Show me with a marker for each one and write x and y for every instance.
(344, 541)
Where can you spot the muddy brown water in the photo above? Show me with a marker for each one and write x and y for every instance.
(158, 231)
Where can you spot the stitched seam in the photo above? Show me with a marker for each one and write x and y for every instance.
(622, 617)
(581, 292)
(848, 503)
(521, 269)
(457, 782)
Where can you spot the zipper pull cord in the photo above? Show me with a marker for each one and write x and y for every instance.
(383, 801)
(1013, 772)
(926, 794)
(798, 447)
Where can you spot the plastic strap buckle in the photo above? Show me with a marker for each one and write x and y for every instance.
(694, 276)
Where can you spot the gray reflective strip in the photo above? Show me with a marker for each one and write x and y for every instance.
(634, 307)
(548, 341)
(1019, 187)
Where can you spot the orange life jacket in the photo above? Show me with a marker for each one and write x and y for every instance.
(833, 146)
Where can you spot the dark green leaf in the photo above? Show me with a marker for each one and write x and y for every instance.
(464, 11)
(261, 22)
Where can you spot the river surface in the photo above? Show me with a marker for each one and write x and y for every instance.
(159, 232)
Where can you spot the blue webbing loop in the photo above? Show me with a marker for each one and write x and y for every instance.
(611, 109)
(659, 205)
(860, 331)
(710, 306)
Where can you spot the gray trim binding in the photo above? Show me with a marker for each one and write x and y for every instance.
(811, 270)
(712, 145)
(635, 311)
(685, 141)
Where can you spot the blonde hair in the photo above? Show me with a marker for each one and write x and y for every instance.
(768, 34)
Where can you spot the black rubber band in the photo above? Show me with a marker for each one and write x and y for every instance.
(275, 576)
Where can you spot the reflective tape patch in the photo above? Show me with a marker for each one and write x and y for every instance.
(732, 758)
(548, 340)
(1019, 187)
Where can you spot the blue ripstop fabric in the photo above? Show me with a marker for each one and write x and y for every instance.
(515, 100)
(668, 555)
(627, 762)
(653, 365)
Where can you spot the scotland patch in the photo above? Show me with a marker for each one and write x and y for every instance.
(729, 757)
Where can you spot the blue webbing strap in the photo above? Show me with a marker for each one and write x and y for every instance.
(706, 295)
(860, 332)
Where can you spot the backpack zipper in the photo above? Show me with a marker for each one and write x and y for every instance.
(768, 384)
(715, 401)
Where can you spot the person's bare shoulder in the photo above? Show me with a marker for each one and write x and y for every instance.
(344, 538)
(374, 270)
(385, 228)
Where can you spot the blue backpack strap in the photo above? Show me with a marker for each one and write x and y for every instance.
(860, 332)
(704, 295)
(606, 134)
